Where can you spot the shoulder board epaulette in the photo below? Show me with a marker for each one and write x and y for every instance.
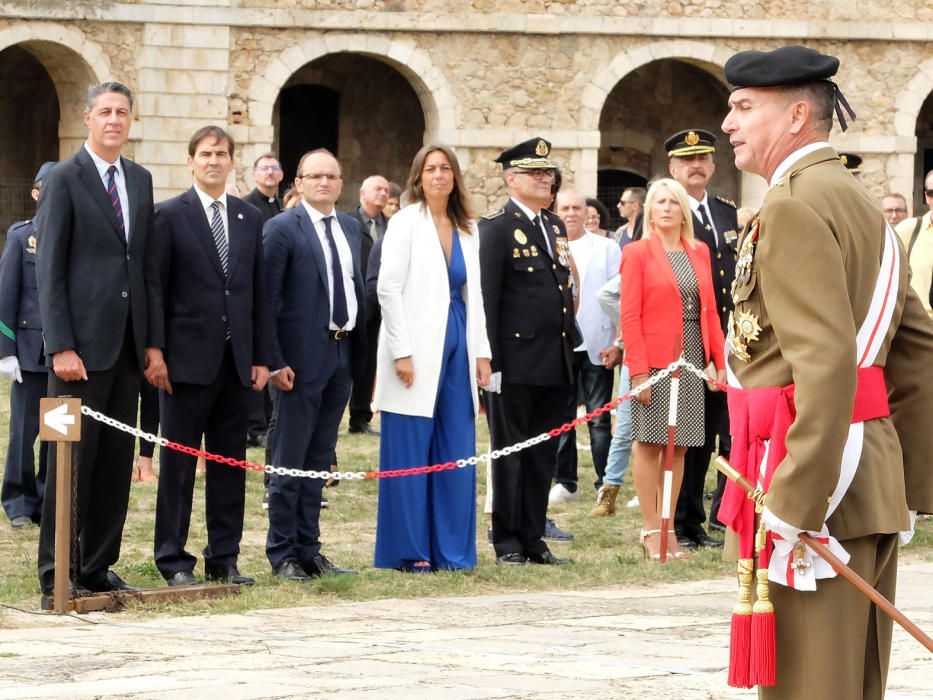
(495, 214)
(726, 200)
(20, 224)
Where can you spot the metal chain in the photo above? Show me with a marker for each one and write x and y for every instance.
(351, 476)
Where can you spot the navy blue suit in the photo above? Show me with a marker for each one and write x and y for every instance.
(23, 488)
(210, 374)
(308, 416)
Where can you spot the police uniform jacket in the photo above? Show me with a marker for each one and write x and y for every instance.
(19, 299)
(527, 297)
(722, 256)
(820, 239)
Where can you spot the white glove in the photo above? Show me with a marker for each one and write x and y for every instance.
(9, 368)
(783, 567)
(905, 536)
(495, 383)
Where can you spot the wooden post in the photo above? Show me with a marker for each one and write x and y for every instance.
(61, 423)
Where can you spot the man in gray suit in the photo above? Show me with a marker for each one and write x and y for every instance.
(93, 224)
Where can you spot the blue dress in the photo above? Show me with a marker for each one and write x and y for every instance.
(432, 517)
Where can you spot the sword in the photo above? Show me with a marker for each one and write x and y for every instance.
(821, 549)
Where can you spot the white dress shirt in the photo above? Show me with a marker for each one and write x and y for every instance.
(708, 215)
(206, 202)
(346, 263)
(786, 164)
(119, 177)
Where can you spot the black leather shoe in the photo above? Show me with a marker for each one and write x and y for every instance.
(716, 526)
(554, 533)
(704, 540)
(47, 601)
(685, 542)
(20, 521)
(546, 557)
(291, 571)
(365, 429)
(227, 574)
(511, 559)
(322, 566)
(183, 578)
(110, 582)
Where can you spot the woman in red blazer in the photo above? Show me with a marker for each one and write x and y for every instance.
(667, 303)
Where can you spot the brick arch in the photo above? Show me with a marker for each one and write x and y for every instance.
(902, 166)
(440, 108)
(707, 56)
(73, 62)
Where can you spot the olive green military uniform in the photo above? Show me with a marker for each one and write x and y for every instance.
(820, 236)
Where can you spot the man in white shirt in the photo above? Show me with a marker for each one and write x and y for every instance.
(917, 237)
(597, 261)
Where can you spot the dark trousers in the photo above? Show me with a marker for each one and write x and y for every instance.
(595, 382)
(305, 437)
(218, 411)
(521, 481)
(103, 466)
(691, 514)
(361, 396)
(23, 488)
(148, 416)
(260, 409)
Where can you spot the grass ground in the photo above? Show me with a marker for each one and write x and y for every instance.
(605, 550)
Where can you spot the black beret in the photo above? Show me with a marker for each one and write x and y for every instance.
(532, 154)
(690, 143)
(851, 161)
(788, 65)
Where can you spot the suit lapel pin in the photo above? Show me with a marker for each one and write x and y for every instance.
(240, 216)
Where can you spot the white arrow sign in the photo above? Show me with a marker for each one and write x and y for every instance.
(58, 418)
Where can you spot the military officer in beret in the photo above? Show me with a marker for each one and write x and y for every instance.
(825, 318)
(528, 297)
(714, 222)
(22, 361)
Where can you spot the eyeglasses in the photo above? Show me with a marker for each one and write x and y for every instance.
(622, 203)
(269, 169)
(895, 210)
(333, 177)
(929, 193)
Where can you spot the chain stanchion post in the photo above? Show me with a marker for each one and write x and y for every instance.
(60, 422)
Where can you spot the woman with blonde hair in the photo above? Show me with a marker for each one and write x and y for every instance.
(667, 303)
(433, 353)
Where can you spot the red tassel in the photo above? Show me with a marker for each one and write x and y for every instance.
(740, 635)
(740, 632)
(763, 662)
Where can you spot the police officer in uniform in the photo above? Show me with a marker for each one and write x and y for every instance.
(691, 153)
(528, 297)
(21, 361)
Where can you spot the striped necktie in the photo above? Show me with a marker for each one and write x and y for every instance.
(115, 196)
(220, 240)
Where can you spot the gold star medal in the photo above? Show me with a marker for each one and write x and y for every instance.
(520, 237)
(737, 347)
(747, 325)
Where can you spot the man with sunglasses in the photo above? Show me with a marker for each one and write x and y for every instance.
(630, 207)
(529, 304)
(917, 236)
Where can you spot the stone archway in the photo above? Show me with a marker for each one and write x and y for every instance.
(913, 129)
(438, 105)
(48, 68)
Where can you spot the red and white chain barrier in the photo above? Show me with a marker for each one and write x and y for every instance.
(347, 475)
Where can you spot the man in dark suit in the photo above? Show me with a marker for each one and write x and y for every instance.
(267, 174)
(527, 294)
(207, 251)
(93, 222)
(374, 193)
(21, 361)
(714, 223)
(312, 256)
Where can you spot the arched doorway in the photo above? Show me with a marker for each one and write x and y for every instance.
(44, 84)
(359, 107)
(654, 101)
(29, 116)
(924, 160)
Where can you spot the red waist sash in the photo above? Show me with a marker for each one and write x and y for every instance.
(766, 414)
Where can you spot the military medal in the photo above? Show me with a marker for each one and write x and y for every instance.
(520, 237)
(31, 244)
(743, 266)
(563, 251)
(534, 250)
(515, 253)
(747, 325)
(736, 347)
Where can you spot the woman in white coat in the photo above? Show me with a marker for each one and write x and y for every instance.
(433, 353)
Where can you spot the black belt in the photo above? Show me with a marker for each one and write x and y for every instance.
(338, 335)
